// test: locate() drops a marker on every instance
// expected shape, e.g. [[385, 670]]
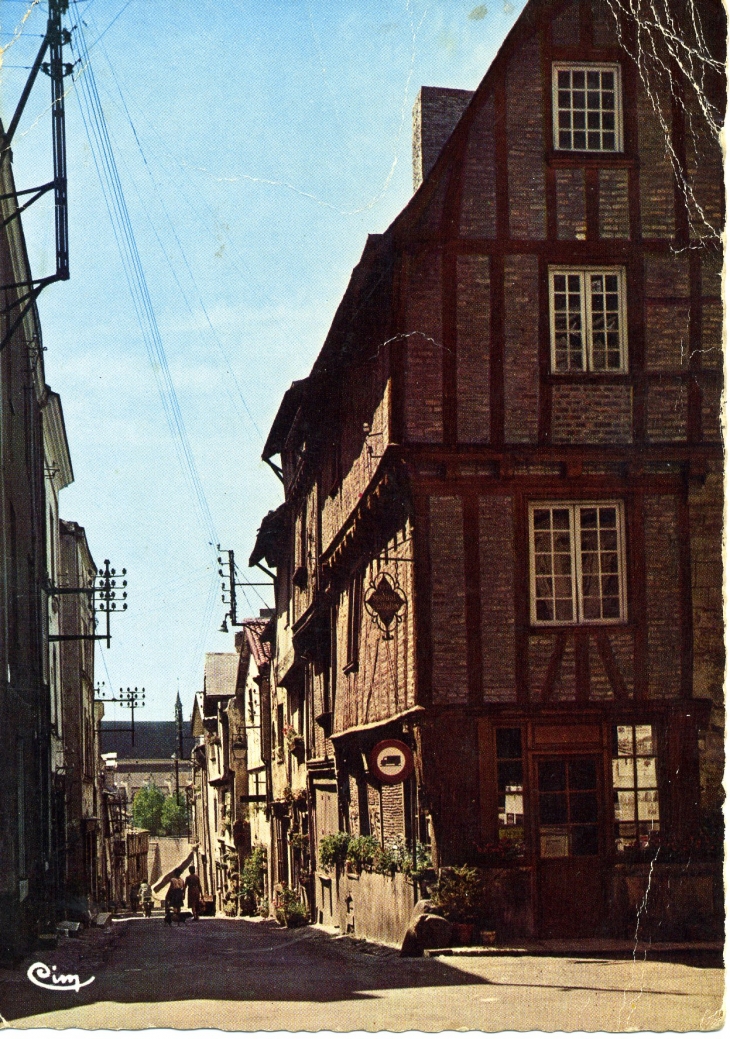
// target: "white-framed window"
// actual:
[[577, 563], [588, 319], [587, 108]]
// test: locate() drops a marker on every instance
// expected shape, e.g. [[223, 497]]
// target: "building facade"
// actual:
[[81, 749], [501, 537], [27, 876]]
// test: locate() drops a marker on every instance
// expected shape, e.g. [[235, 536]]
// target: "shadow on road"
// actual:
[[144, 961]]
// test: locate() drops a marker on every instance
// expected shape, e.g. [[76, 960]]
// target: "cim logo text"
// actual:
[[39, 974]]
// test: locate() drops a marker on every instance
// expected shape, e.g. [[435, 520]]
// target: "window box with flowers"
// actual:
[[294, 741], [298, 841]]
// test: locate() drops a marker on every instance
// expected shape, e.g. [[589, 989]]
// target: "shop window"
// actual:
[[587, 108], [588, 319], [510, 785], [577, 563], [635, 788]]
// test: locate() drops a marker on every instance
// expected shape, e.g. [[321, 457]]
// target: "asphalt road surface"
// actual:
[[251, 976]]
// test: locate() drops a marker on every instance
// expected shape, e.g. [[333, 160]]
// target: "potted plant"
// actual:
[[294, 741], [289, 910], [298, 841], [460, 897]]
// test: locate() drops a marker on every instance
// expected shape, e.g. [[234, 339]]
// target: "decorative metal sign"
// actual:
[[385, 602], [391, 761]]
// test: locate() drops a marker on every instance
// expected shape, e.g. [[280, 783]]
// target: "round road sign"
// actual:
[[391, 761]]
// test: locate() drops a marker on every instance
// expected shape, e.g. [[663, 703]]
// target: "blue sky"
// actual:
[[257, 145]]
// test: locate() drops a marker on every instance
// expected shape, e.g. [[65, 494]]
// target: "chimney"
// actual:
[[435, 114]]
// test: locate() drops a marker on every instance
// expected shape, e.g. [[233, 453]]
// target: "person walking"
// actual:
[[145, 898], [176, 894], [195, 892]]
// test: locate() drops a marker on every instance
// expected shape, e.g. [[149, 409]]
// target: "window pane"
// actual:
[[625, 739], [624, 805], [646, 773], [509, 743], [583, 808], [585, 840], [582, 774], [551, 775], [553, 808], [509, 773], [645, 740], [648, 805]]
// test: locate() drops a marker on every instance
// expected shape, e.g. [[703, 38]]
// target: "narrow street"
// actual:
[[244, 975]]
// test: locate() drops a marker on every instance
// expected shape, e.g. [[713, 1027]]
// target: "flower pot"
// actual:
[[488, 937], [464, 934]]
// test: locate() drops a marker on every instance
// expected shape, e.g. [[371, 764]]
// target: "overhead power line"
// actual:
[[104, 160]]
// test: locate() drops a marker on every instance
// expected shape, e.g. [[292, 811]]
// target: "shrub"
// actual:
[[461, 895], [362, 850], [333, 850], [252, 880], [397, 857], [288, 909]]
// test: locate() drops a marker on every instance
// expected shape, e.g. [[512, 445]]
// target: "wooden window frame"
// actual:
[[578, 617], [354, 621], [576, 66], [635, 787], [587, 331]]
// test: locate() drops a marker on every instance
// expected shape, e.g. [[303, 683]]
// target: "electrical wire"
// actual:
[[105, 163], [94, 121]]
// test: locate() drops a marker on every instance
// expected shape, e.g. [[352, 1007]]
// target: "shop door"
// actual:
[[568, 824]]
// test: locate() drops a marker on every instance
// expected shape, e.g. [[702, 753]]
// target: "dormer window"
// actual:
[[587, 108]]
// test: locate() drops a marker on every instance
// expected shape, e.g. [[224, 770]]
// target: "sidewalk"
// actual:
[[614, 948]]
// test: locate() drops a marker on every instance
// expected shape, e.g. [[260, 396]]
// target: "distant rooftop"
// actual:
[[152, 740], [220, 674]]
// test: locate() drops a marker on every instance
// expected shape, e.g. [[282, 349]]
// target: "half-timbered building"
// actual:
[[501, 540]]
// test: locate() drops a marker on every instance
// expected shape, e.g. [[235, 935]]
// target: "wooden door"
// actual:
[[568, 826]]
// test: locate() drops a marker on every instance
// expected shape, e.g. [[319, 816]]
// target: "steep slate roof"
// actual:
[[152, 740]]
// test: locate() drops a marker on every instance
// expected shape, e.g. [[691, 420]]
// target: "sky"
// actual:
[[257, 145]]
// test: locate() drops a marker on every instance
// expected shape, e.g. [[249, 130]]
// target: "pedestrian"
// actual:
[[176, 894], [145, 898], [195, 892]]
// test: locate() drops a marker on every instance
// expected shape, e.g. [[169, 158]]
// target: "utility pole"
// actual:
[[132, 699], [230, 586], [177, 757]]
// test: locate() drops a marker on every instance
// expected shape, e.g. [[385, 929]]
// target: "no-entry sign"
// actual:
[[391, 761]]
